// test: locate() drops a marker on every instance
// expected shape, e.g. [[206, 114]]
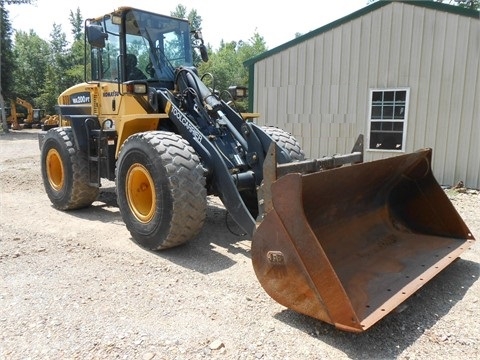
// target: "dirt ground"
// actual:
[[74, 286]]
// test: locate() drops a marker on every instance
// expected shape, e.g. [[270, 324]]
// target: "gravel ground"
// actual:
[[74, 286]]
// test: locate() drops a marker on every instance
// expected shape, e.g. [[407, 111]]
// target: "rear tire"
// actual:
[[65, 171], [286, 141], [161, 192]]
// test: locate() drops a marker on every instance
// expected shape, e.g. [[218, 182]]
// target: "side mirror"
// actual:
[[203, 52], [95, 36], [198, 43]]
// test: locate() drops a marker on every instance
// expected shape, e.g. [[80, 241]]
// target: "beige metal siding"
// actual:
[[319, 88]]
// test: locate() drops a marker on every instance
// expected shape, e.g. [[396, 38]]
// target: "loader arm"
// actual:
[[216, 168], [232, 150]]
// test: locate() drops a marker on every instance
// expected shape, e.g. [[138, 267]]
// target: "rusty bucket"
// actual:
[[349, 245]]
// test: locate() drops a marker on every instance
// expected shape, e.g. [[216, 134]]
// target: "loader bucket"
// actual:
[[349, 245]]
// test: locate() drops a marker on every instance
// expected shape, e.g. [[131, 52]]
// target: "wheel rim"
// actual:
[[55, 171], [140, 191]]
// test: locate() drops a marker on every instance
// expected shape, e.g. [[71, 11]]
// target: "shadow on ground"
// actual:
[[200, 254], [398, 330], [390, 336], [209, 252]]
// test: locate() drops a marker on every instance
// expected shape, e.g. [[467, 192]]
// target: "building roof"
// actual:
[[458, 10]]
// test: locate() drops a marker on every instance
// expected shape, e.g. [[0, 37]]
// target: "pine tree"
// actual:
[[7, 63]]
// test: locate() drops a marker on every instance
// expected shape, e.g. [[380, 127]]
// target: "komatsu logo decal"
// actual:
[[111, 93], [80, 98], [197, 135]]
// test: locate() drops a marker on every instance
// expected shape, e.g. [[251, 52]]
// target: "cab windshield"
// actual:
[[141, 45]]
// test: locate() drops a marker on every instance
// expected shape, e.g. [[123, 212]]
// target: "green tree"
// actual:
[[469, 4], [192, 16], [45, 69], [47, 97], [179, 12], [75, 59], [7, 64], [226, 65], [50, 61], [58, 40], [76, 20], [223, 66], [59, 58], [6, 53], [66, 63], [31, 54], [195, 21]]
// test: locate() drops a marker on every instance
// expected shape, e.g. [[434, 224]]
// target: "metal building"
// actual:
[[404, 73]]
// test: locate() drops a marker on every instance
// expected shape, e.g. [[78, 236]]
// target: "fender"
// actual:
[[80, 118]]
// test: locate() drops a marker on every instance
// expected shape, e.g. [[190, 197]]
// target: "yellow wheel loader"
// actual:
[[335, 238]]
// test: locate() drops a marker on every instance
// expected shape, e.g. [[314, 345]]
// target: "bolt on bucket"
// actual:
[[350, 244]]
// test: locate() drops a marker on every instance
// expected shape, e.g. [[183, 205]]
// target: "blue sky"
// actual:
[[228, 20]]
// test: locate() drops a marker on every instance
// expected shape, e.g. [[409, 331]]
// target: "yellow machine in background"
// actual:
[[13, 116], [28, 120], [19, 120]]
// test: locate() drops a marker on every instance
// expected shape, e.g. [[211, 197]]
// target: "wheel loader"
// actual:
[[336, 238]]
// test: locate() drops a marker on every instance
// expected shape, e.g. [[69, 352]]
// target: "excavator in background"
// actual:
[[13, 116], [35, 117], [32, 118], [335, 238], [28, 119], [17, 118]]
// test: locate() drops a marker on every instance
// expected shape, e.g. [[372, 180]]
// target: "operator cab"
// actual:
[[132, 44]]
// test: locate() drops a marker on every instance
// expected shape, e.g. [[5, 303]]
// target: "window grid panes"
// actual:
[[387, 119]]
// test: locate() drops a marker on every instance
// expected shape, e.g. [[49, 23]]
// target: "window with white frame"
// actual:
[[388, 119]]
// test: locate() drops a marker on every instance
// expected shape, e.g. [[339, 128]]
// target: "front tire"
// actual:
[[65, 171], [161, 192]]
